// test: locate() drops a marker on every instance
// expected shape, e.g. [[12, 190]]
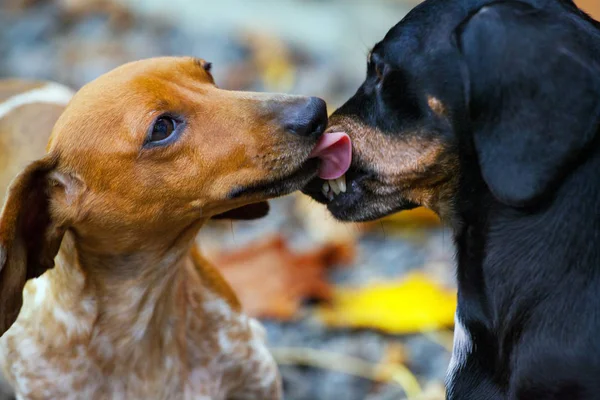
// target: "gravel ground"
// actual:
[[380, 256], [322, 44]]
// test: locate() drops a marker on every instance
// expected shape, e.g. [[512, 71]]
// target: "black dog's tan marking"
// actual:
[[436, 106], [418, 168], [489, 113]]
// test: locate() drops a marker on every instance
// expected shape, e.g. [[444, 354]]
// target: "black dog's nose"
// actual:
[[307, 118]]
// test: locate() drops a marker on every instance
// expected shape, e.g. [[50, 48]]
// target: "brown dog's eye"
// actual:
[[163, 131]]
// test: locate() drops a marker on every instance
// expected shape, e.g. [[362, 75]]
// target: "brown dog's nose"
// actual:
[[307, 118]]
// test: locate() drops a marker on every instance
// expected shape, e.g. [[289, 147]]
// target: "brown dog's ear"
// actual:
[[29, 238], [247, 212], [533, 96]]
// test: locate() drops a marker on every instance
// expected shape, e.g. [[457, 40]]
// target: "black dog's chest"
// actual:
[[528, 303]]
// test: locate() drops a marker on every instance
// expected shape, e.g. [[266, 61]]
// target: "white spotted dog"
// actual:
[[103, 292]]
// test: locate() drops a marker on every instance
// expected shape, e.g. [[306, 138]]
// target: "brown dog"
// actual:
[[138, 162]]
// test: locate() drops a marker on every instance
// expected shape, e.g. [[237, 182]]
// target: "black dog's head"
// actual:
[[512, 86]]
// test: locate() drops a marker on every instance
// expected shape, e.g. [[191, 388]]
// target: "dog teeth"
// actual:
[[333, 187], [333, 184], [341, 181], [325, 190]]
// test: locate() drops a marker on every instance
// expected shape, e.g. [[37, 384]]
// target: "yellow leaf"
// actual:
[[413, 305], [417, 216]]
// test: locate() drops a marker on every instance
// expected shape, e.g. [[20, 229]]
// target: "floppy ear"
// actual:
[[29, 238], [247, 212], [533, 96]]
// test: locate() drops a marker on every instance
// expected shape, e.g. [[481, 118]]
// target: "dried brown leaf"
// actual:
[[272, 281]]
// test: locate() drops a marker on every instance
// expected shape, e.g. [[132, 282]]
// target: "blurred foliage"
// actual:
[[413, 305]]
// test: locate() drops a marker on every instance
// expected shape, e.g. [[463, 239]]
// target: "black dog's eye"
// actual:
[[379, 71], [377, 67]]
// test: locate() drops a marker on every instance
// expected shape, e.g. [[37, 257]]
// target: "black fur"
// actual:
[[521, 82]]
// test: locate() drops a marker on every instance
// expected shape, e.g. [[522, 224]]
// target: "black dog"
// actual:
[[489, 113]]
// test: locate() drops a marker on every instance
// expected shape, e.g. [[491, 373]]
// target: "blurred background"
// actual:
[[352, 311]]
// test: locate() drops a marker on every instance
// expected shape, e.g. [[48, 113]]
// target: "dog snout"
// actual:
[[306, 118]]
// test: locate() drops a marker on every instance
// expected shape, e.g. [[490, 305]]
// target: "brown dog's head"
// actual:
[[144, 155], [507, 94]]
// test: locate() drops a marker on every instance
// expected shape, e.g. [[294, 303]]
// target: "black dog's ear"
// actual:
[[533, 96], [247, 212]]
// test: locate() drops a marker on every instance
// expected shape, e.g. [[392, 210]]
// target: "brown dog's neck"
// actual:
[[121, 305]]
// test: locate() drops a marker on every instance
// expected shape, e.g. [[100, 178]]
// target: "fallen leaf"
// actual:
[[418, 217], [272, 281], [413, 305]]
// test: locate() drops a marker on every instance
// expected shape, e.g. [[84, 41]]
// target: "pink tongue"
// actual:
[[335, 152]]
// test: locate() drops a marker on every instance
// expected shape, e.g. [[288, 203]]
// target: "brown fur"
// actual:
[[436, 106], [592, 7]]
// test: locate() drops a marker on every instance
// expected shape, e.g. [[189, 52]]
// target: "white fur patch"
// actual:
[[105, 346], [41, 290], [258, 329], [203, 384], [463, 346], [141, 325], [230, 359], [216, 305], [73, 325], [52, 93], [88, 305]]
